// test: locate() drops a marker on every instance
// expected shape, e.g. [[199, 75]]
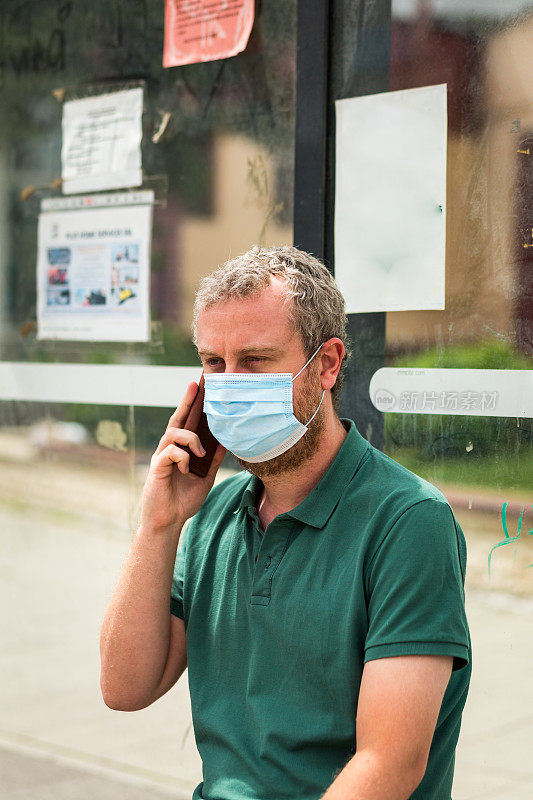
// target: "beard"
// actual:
[[305, 405]]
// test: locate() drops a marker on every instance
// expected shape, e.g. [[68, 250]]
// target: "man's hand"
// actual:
[[397, 711], [171, 493]]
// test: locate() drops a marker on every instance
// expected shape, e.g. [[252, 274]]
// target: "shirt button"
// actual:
[[268, 562]]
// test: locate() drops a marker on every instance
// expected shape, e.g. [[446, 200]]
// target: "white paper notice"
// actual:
[[102, 142], [93, 267], [390, 219]]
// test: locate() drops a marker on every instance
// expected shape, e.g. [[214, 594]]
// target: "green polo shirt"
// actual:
[[279, 624]]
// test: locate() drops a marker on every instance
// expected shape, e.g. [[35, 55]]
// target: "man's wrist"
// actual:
[[149, 529]]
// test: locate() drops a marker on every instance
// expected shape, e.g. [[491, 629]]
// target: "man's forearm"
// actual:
[[369, 777], [134, 641]]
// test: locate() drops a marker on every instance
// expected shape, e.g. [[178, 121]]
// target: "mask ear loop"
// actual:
[[323, 393], [305, 365], [317, 410]]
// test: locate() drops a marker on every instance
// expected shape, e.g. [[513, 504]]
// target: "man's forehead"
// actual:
[[270, 335], [259, 320], [261, 348]]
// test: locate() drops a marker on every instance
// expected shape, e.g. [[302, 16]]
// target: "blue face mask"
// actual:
[[252, 415]]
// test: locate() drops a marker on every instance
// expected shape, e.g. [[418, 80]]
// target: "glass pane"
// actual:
[[218, 142], [482, 463]]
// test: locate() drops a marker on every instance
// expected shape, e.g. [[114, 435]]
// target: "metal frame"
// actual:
[[343, 50], [310, 136]]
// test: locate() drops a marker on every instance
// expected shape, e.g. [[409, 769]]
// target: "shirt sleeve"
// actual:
[[178, 578], [415, 587]]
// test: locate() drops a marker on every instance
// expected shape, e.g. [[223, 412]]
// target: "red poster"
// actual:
[[205, 30]]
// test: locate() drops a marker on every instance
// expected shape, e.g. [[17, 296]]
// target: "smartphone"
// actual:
[[197, 422]]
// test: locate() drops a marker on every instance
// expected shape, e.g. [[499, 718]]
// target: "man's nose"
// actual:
[[234, 366]]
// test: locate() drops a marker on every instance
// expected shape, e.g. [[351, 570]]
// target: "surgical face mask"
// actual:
[[252, 415]]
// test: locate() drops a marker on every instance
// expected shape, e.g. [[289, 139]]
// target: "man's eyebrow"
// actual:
[[260, 349], [246, 350]]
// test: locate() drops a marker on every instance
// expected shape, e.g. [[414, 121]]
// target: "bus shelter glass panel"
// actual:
[[218, 154], [452, 434]]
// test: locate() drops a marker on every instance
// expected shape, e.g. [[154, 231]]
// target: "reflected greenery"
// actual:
[[469, 449], [501, 471]]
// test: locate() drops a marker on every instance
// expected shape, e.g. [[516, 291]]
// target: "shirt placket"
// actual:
[[273, 546]]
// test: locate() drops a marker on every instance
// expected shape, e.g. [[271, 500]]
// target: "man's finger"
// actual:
[[171, 454], [181, 437], [179, 417]]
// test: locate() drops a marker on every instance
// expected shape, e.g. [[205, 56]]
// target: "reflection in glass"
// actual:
[[484, 465]]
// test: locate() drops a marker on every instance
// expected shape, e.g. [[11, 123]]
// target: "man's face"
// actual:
[[255, 335]]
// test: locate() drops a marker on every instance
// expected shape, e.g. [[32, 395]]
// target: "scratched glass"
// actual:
[[454, 433], [218, 149]]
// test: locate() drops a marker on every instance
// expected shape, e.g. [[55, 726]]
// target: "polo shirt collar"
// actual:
[[318, 506], [251, 492]]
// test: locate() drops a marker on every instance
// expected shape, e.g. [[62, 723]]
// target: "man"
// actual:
[[318, 602]]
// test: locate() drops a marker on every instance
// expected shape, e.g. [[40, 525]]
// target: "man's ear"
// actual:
[[330, 362]]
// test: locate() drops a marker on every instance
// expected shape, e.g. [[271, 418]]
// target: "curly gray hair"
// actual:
[[317, 310]]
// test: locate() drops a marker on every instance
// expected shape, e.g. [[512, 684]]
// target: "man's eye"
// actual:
[[212, 361]]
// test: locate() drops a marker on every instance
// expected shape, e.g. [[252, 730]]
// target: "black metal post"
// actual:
[[343, 50], [359, 64], [310, 135]]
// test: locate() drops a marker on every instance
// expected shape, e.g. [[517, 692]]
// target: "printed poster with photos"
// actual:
[[93, 267]]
